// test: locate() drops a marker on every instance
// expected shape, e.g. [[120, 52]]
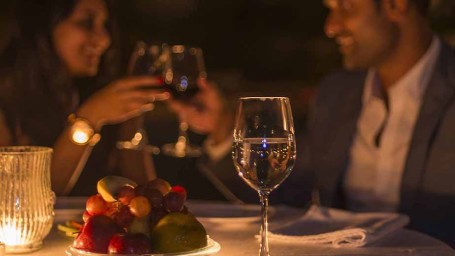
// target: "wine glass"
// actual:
[[146, 59], [183, 68], [264, 148]]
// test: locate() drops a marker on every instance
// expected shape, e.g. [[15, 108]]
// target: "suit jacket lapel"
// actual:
[[437, 97]]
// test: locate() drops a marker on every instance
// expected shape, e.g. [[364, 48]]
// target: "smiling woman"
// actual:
[[82, 38], [56, 50]]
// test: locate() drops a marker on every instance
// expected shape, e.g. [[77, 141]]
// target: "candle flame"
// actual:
[[10, 235]]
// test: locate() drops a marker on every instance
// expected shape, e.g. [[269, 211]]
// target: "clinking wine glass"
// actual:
[[184, 67], [146, 59], [264, 148]]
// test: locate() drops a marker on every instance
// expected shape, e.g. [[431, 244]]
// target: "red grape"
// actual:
[[163, 186], [153, 195], [180, 190], [140, 206], [173, 202], [125, 194], [123, 217], [86, 216], [96, 205]]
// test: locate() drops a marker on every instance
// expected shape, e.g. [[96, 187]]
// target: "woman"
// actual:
[[57, 63]]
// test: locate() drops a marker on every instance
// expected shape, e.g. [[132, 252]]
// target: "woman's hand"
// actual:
[[123, 99]]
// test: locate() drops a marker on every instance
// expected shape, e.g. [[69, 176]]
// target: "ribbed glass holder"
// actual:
[[26, 198]]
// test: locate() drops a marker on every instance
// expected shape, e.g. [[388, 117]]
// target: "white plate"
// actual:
[[212, 248], [223, 212]]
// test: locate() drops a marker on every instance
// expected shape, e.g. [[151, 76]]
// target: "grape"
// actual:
[[123, 217], [96, 205], [86, 216], [140, 206], [125, 194], [112, 208], [163, 186], [173, 201], [180, 190], [153, 195]]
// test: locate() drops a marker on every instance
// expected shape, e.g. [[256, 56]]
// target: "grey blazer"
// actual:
[[428, 184]]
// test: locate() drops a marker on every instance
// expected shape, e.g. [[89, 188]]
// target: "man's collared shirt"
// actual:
[[384, 132]]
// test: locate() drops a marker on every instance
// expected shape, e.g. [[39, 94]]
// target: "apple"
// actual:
[[96, 234], [129, 244]]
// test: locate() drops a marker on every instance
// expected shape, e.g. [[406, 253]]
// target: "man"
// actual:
[[381, 136]]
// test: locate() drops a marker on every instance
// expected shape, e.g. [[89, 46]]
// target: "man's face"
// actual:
[[365, 35]]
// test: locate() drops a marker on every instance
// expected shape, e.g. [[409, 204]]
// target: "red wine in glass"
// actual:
[[183, 68]]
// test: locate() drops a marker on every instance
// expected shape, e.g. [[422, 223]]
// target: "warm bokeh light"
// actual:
[[80, 137]]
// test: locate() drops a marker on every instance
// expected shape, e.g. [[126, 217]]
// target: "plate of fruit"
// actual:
[[148, 219]]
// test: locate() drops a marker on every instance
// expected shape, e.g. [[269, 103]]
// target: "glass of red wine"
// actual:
[[184, 67], [146, 59], [264, 148]]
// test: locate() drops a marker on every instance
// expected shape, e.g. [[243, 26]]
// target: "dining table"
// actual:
[[235, 227]]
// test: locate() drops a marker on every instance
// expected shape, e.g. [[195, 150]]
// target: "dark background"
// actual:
[[251, 48]]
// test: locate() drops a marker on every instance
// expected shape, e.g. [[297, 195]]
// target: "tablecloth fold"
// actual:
[[338, 228]]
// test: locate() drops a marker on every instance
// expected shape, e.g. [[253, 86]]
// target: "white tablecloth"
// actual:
[[236, 235]]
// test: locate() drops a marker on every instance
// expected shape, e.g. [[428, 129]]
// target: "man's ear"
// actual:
[[396, 9]]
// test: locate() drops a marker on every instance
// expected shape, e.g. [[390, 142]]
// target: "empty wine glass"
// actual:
[[264, 148], [146, 59], [183, 68]]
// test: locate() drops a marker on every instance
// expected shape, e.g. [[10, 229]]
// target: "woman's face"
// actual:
[[81, 39]]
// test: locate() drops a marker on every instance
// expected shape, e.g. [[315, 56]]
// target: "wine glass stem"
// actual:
[[264, 197]]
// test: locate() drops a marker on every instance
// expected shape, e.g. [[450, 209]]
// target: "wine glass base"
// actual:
[[127, 145], [187, 151]]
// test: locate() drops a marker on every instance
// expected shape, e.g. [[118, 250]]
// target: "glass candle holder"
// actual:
[[26, 198]]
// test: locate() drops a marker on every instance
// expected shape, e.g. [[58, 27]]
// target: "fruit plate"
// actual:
[[212, 248]]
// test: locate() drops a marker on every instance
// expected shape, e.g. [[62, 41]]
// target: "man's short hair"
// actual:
[[422, 5]]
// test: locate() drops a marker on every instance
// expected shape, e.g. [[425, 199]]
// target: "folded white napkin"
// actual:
[[338, 228]]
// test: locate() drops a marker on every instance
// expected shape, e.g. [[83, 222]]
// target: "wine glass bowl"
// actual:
[[264, 148], [182, 70], [147, 59]]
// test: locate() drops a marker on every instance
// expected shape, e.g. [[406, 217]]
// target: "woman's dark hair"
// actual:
[[36, 90]]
